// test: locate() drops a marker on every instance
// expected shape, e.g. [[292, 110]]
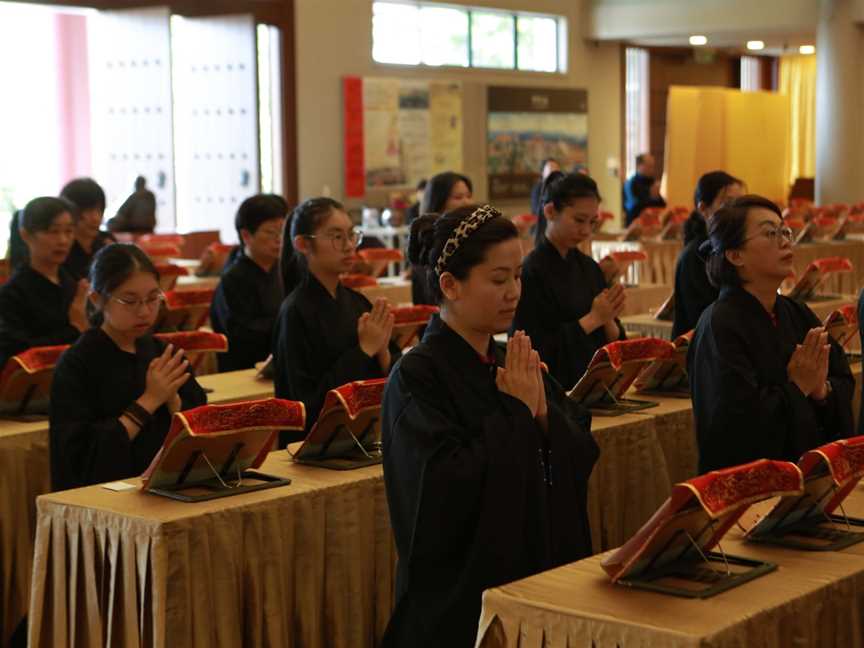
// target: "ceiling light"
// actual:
[[755, 45], [807, 49], [698, 40]]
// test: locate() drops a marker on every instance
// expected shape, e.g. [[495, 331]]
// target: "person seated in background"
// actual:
[[89, 198], [547, 166], [766, 379], [414, 210], [115, 389], [693, 291], [41, 304], [326, 335], [566, 308], [642, 189], [249, 294], [486, 461], [138, 214], [444, 192]]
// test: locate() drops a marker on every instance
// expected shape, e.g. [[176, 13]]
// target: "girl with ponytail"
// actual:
[[325, 335], [115, 389], [566, 306], [472, 438]]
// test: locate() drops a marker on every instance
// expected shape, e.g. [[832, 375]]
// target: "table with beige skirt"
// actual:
[[25, 474], [310, 564]]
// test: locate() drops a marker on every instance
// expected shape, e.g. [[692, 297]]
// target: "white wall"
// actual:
[[334, 39], [638, 19]]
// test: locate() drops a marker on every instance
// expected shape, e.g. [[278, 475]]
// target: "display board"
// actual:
[[528, 125], [398, 131]]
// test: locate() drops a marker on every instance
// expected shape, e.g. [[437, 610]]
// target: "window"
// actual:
[[751, 74], [425, 33], [637, 136]]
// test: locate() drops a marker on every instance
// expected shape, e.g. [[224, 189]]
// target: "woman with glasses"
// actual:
[[249, 294], [326, 335], [566, 308], [115, 389], [42, 304], [766, 380], [693, 291]]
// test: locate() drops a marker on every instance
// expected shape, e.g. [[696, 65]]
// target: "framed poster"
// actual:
[[528, 125], [399, 131]]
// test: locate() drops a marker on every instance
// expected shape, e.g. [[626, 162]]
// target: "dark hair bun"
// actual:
[[421, 239]]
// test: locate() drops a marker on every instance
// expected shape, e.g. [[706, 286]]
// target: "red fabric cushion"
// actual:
[[196, 340], [356, 396], [831, 264], [357, 281]]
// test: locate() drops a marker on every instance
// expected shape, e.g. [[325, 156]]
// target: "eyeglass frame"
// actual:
[[773, 234], [358, 239], [135, 306]]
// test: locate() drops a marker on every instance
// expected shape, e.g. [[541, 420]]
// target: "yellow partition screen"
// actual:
[[743, 133]]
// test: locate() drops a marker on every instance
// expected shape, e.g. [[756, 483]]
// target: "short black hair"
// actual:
[[711, 184], [641, 158], [84, 193], [258, 209], [728, 231], [561, 189], [422, 185], [430, 233]]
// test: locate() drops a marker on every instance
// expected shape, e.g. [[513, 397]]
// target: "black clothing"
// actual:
[[78, 261], [693, 292], [478, 494], [744, 404], [637, 196], [315, 346], [244, 309], [695, 228], [556, 293], [34, 311], [94, 382]]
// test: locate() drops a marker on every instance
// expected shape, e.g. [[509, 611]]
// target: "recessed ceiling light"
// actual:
[[807, 49], [755, 45], [698, 40]]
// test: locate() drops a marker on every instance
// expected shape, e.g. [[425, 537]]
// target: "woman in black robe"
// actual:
[[249, 294], [89, 198], [326, 335], [566, 308], [766, 381], [41, 304], [693, 291], [115, 390], [444, 192], [486, 462]]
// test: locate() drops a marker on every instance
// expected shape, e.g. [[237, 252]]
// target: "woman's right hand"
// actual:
[[165, 376], [520, 377], [607, 305], [375, 327], [808, 366]]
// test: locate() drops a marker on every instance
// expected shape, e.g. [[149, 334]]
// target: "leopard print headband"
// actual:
[[466, 228]]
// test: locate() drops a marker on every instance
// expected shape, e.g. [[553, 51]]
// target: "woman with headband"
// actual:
[[766, 380], [486, 462]]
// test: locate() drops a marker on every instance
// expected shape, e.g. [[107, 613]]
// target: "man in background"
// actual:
[[642, 189]]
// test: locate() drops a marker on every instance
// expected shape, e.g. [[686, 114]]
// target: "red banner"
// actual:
[[355, 172]]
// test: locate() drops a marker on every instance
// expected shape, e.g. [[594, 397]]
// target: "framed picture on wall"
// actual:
[[528, 125]]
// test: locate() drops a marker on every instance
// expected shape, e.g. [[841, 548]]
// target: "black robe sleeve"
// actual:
[[740, 420], [298, 373], [89, 448], [563, 345], [84, 448], [693, 292], [16, 331], [464, 503], [861, 333]]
